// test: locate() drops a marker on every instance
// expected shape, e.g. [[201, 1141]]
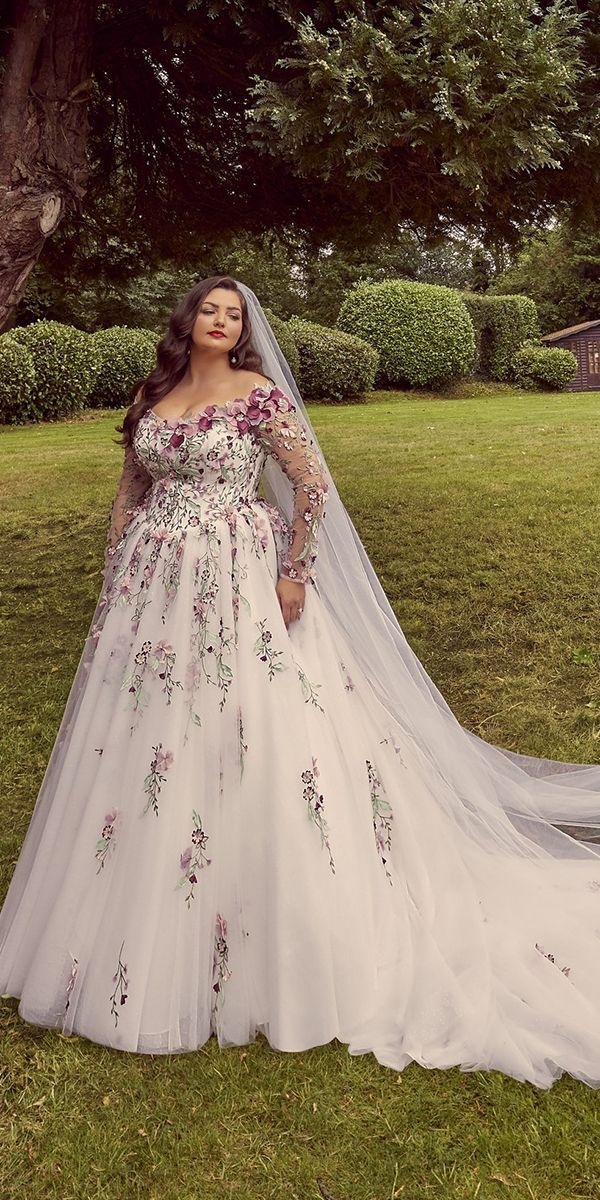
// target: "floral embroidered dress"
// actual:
[[234, 836]]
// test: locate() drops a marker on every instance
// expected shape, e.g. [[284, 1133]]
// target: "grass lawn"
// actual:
[[481, 517]]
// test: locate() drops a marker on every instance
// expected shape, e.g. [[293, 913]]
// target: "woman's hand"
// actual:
[[291, 598]]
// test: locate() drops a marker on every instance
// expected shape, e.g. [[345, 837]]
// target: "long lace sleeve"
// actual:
[[132, 487], [285, 438]]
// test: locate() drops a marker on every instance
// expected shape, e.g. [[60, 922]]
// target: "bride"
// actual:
[[259, 814]]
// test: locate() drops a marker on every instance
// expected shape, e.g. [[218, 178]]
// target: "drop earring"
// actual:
[[233, 356]]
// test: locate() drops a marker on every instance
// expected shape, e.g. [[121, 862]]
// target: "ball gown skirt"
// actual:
[[234, 836]]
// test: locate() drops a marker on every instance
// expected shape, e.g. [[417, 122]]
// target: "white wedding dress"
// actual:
[[234, 835]]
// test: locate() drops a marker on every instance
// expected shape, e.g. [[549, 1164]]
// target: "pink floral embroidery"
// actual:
[[221, 971], [121, 984], [265, 651], [315, 804], [382, 818], [162, 760], [105, 844], [193, 858], [309, 690]]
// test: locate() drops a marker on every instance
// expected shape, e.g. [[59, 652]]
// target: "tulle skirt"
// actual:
[[233, 835]]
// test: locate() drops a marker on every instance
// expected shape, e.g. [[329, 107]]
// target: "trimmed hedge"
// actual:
[[125, 357], [66, 363], [286, 342], [542, 367], [422, 331], [334, 365], [17, 382], [502, 324]]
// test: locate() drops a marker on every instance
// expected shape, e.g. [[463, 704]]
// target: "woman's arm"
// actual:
[[132, 487], [285, 438]]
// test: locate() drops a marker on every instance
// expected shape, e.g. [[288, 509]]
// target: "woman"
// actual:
[[259, 814]]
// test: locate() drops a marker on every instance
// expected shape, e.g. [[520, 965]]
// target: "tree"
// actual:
[[480, 270], [469, 112], [94, 282], [475, 111], [560, 269], [43, 132], [143, 100]]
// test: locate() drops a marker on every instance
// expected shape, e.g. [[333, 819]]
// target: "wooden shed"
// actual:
[[584, 342]]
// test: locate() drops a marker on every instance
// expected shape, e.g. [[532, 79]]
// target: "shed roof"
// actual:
[[561, 333]]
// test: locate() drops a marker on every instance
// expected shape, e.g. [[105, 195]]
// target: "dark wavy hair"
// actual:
[[172, 352]]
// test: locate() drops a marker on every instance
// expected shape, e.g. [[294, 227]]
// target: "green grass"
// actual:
[[480, 514]]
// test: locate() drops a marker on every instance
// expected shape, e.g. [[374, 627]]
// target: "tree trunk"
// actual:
[[43, 132]]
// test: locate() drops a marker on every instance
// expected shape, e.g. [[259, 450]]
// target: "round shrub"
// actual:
[[65, 362], [125, 357], [17, 382], [422, 331], [286, 342], [333, 365], [542, 367], [502, 324]]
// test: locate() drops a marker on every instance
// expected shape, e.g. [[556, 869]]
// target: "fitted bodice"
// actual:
[[202, 451], [185, 471]]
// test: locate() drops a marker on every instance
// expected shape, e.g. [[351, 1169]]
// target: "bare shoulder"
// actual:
[[255, 377]]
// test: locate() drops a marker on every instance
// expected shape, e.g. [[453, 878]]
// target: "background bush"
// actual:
[[65, 362], [125, 357], [480, 312], [543, 367], [17, 382], [502, 324], [286, 342], [422, 332], [333, 365]]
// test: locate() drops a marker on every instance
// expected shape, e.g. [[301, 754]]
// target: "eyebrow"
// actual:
[[230, 307]]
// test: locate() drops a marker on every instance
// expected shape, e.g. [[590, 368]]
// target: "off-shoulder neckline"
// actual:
[[209, 409]]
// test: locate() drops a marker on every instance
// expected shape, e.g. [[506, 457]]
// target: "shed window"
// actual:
[[594, 358]]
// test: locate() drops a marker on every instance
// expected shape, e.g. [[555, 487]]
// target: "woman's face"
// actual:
[[219, 313]]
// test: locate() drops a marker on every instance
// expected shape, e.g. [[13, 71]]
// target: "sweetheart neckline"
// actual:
[[209, 408]]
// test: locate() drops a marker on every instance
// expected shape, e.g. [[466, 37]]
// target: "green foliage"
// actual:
[[501, 324], [17, 381], [481, 270], [286, 341], [543, 367], [66, 363], [457, 107], [333, 365], [479, 312], [74, 284], [422, 331], [125, 357], [83, 283], [268, 263], [559, 269]]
